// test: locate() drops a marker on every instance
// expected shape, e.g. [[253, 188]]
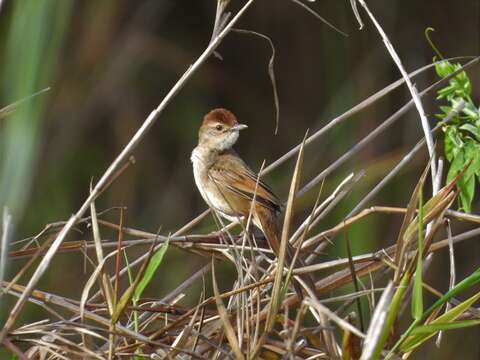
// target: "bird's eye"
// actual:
[[219, 127]]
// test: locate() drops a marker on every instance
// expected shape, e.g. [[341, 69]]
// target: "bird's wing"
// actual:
[[231, 174]]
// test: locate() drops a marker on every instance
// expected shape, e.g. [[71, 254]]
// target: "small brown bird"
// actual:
[[228, 185]]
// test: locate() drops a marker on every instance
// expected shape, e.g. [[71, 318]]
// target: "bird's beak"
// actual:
[[238, 127]]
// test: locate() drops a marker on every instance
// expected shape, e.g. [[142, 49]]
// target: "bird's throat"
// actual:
[[204, 156]]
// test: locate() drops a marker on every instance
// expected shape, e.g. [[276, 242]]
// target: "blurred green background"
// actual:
[[109, 63]]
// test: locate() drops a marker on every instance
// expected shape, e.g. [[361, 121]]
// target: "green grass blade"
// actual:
[[434, 328], [392, 315], [129, 270], [152, 267], [128, 295], [130, 282], [417, 295], [421, 334], [138, 352], [461, 287]]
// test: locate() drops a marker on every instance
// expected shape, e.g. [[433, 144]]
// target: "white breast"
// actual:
[[200, 172], [201, 161]]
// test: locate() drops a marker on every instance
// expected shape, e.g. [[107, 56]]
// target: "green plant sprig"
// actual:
[[462, 133]]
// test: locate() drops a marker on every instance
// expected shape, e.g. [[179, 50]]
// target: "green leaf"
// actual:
[[127, 296], [459, 86], [446, 92], [150, 271], [472, 157], [456, 166], [445, 108], [449, 317], [453, 143], [434, 328], [467, 192], [417, 295], [461, 287], [470, 110], [472, 129], [468, 154], [444, 68]]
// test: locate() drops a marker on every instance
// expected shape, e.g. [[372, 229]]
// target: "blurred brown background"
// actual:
[[109, 63]]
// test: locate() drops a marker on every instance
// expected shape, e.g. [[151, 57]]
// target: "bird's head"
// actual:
[[219, 130]]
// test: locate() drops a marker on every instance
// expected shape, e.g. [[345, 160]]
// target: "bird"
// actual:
[[229, 186]]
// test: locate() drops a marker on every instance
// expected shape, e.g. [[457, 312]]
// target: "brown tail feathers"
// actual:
[[270, 228]]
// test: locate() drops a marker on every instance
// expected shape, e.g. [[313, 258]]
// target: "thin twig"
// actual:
[[7, 110], [413, 92], [271, 72], [318, 16]]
